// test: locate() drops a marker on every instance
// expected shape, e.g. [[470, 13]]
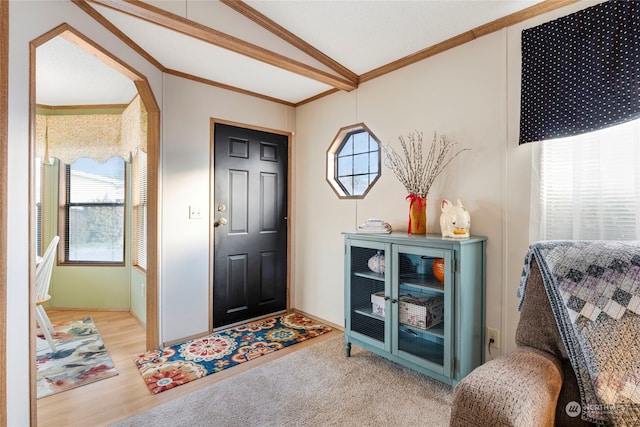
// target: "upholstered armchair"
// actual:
[[534, 385]]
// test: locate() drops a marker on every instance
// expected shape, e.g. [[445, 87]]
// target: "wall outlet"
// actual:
[[493, 334], [195, 212]]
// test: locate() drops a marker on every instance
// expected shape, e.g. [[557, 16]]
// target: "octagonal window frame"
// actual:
[[337, 172]]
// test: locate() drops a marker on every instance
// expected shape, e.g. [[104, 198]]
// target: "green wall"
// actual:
[[106, 288]]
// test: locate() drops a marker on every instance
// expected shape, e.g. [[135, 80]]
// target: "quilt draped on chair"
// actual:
[[594, 291]]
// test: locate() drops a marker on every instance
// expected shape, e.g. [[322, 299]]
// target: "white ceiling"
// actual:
[[359, 35], [68, 75]]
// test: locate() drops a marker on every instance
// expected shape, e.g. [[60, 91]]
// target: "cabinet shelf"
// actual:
[[367, 312], [370, 275], [435, 331], [420, 281]]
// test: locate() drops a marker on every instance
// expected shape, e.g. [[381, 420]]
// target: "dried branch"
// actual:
[[414, 172]]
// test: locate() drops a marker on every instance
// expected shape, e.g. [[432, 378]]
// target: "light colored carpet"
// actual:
[[315, 386]]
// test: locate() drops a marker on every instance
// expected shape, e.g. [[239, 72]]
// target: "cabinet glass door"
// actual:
[[368, 295], [423, 297]]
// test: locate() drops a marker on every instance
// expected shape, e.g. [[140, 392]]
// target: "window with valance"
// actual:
[[581, 99], [87, 147]]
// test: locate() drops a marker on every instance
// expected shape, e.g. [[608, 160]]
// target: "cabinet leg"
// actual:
[[347, 349]]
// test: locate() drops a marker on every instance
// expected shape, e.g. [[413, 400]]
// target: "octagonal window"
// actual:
[[353, 161]]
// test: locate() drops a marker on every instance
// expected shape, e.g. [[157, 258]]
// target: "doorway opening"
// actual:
[[151, 129]]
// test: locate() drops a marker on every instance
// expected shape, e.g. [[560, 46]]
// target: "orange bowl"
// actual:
[[438, 269]]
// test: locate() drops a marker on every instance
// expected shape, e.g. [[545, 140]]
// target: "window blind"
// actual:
[[590, 186], [140, 209], [94, 222], [38, 171]]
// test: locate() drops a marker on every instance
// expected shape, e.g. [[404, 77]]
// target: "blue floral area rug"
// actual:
[[182, 363], [81, 358]]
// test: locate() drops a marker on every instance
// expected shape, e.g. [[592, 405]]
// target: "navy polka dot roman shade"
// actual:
[[581, 73]]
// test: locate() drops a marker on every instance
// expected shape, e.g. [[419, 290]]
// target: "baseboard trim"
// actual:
[[140, 321], [319, 319], [185, 339]]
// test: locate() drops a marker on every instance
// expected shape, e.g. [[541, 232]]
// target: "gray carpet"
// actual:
[[315, 386]]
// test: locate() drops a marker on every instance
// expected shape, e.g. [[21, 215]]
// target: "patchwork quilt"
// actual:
[[594, 291]]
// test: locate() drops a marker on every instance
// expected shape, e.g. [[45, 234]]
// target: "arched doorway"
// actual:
[[153, 141]]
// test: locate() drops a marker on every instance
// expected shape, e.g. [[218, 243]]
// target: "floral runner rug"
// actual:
[[182, 363], [81, 358]]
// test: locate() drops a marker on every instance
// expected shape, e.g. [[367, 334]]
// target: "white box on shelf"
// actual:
[[423, 313], [377, 304]]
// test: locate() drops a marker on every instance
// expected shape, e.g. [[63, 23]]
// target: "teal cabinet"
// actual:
[[416, 300]]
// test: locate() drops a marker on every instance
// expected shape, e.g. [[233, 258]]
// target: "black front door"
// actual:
[[250, 217]]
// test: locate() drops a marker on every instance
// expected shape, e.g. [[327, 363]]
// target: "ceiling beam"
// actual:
[[190, 28], [82, 4], [122, 36], [275, 28], [124, 5]]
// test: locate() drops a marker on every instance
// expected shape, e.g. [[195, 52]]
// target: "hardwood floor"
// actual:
[[113, 399]]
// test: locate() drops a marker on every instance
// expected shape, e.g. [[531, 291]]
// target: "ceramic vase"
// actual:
[[417, 215]]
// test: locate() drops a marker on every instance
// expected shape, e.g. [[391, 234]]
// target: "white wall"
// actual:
[[518, 164], [187, 110], [471, 93], [460, 93], [186, 114], [28, 20]]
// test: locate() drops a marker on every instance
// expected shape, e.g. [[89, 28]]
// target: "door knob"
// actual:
[[221, 221]]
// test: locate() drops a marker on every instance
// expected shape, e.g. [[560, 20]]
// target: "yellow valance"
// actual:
[[96, 136]]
